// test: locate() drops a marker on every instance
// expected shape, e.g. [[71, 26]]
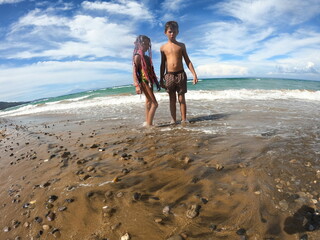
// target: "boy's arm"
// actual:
[[162, 68], [189, 64]]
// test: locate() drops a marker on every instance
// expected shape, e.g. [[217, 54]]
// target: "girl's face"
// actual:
[[145, 45]]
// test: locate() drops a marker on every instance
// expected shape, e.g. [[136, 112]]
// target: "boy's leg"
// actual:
[[183, 107], [173, 100]]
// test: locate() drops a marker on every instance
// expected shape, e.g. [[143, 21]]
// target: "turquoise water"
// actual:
[[229, 90], [204, 84]]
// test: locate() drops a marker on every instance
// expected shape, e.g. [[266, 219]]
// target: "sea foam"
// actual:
[[113, 102]]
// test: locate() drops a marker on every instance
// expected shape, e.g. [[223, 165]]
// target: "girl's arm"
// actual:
[[162, 68], [136, 67]]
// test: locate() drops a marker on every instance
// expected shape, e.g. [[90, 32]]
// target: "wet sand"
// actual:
[[79, 179]]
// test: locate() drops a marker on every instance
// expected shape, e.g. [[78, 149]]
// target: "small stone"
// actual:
[[193, 211], [166, 210], [46, 227], [95, 145], [241, 231], [187, 160], [125, 171], [84, 177], [115, 226], [219, 167], [38, 219], [125, 237], [158, 220], [108, 194], [176, 237], [120, 194], [26, 224], [204, 200], [6, 229], [136, 196], [213, 227], [61, 209], [116, 179], [90, 168], [304, 237], [90, 194], [108, 211], [50, 216], [52, 198], [56, 233], [49, 205], [69, 200], [65, 154], [15, 223]]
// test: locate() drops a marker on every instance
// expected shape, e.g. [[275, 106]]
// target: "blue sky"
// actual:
[[51, 48]]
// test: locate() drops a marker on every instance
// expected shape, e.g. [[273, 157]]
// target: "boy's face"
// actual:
[[171, 33]]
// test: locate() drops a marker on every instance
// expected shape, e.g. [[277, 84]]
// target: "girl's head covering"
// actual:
[[138, 49]]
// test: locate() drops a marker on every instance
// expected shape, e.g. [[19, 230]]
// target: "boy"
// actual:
[[172, 75]]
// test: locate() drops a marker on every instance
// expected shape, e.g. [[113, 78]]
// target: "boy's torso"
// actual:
[[173, 53]]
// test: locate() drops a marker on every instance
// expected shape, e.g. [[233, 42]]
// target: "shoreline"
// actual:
[[82, 179]]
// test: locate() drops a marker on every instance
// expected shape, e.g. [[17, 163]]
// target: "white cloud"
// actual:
[[219, 69], [274, 12], [10, 1], [231, 38], [287, 44], [56, 37], [174, 5], [134, 9]]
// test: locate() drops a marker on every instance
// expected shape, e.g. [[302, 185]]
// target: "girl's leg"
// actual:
[[183, 107], [173, 100], [151, 103]]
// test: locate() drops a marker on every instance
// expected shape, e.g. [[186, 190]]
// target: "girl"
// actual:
[[144, 76]]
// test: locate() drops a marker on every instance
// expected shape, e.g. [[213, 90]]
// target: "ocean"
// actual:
[[288, 98]]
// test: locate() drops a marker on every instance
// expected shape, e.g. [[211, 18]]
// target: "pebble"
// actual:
[[120, 194], [6, 229], [219, 167], [166, 210], [108, 211], [158, 220], [193, 211], [115, 226], [241, 231], [26, 224], [46, 227], [56, 233], [125, 237], [90, 168], [108, 194], [61, 209], [50, 216], [304, 237], [136, 196], [52, 198], [38, 219]]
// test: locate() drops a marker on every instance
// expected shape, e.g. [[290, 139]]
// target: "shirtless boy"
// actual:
[[172, 75]]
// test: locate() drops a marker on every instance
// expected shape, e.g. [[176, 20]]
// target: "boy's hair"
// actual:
[[171, 24]]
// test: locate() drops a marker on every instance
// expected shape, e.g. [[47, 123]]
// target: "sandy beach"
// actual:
[[67, 178]]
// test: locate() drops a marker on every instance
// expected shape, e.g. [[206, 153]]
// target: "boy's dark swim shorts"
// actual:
[[176, 82]]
